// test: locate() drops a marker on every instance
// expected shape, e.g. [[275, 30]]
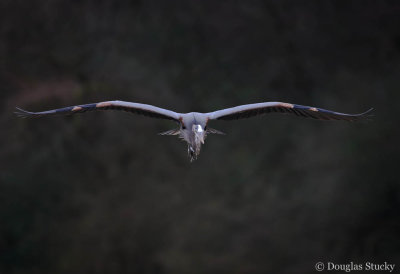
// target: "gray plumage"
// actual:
[[193, 126]]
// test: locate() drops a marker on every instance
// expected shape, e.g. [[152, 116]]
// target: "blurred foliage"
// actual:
[[102, 193]]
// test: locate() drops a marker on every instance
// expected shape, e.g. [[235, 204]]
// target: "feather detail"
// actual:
[[214, 131], [175, 131]]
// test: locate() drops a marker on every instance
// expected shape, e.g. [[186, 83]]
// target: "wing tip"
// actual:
[[367, 113], [364, 116], [21, 113]]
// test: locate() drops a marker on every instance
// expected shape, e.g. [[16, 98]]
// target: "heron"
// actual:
[[193, 126]]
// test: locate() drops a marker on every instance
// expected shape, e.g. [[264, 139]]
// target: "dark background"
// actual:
[[103, 193]]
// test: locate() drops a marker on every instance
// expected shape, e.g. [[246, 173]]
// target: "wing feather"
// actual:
[[251, 110], [136, 108]]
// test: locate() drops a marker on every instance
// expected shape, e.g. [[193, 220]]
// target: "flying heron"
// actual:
[[193, 126]]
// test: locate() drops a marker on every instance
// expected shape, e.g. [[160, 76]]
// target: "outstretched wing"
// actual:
[[247, 111], [141, 109]]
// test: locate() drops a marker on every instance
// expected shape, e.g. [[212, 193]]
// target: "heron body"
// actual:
[[193, 129], [193, 126]]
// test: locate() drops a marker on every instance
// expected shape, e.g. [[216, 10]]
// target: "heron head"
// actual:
[[199, 133]]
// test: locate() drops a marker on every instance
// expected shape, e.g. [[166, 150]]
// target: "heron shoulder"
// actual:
[[195, 118]]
